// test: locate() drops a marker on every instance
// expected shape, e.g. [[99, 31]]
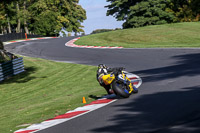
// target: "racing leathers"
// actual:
[[104, 70]]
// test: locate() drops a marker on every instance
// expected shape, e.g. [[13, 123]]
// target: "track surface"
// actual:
[[168, 100]]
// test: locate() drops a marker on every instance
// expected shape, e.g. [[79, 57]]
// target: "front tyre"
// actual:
[[120, 89], [135, 90]]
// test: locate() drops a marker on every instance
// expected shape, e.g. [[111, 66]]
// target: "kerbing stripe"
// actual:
[[67, 116], [26, 131], [29, 40], [71, 44], [136, 80], [100, 101]]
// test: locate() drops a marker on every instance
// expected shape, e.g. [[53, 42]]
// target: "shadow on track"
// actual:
[[112, 96], [162, 112], [186, 65], [168, 112]]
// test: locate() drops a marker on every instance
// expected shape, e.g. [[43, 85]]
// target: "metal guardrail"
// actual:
[[11, 68], [15, 36]]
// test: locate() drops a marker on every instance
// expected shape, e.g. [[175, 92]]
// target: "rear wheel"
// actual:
[[120, 89]]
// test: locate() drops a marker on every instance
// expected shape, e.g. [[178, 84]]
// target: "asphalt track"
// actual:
[[167, 102]]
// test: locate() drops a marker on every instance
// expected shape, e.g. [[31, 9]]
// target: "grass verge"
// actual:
[[45, 90], [165, 36]]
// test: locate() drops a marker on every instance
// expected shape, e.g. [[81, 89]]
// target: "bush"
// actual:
[[1, 45], [101, 30], [5, 56]]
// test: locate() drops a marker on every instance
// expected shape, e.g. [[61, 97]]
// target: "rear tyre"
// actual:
[[120, 89]]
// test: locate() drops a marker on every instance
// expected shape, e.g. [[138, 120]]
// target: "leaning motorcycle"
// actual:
[[120, 83]]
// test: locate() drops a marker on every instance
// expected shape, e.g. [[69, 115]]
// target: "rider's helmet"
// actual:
[[102, 70], [102, 66]]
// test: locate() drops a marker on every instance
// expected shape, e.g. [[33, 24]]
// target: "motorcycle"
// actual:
[[119, 81]]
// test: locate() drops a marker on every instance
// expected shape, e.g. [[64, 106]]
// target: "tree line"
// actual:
[[43, 17], [138, 13]]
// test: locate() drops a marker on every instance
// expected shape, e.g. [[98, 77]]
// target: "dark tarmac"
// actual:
[[167, 102]]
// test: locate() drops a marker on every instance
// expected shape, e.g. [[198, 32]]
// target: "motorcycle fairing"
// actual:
[[108, 79]]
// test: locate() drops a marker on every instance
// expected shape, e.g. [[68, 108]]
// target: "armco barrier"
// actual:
[[11, 68], [16, 36]]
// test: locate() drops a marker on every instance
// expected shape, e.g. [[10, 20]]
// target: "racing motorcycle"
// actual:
[[118, 80]]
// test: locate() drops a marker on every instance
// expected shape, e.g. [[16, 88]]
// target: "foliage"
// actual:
[[64, 34], [69, 34], [185, 11], [83, 34], [4, 55], [137, 13], [151, 12], [44, 17], [101, 30], [140, 12], [1, 45], [45, 23], [104, 30]]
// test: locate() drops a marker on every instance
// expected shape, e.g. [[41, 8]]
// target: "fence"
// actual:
[[15, 36], [11, 68]]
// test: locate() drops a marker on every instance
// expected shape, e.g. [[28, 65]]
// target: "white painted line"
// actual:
[[49, 123], [76, 112], [30, 39]]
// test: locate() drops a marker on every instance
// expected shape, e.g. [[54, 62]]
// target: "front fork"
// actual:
[[132, 88], [129, 84]]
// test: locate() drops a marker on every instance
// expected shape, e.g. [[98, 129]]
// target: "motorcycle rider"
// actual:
[[104, 70]]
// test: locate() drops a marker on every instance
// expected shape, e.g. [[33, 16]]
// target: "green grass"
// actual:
[[168, 35], [48, 88], [45, 90]]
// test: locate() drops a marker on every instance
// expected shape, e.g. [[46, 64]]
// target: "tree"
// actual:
[[75, 15], [15, 14], [7, 14], [195, 4], [2, 18], [18, 18], [66, 14], [45, 23], [185, 11], [45, 17], [137, 13], [63, 33]]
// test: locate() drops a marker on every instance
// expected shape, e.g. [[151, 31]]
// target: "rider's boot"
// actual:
[[108, 89]]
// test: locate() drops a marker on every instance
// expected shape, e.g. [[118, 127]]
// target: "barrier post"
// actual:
[[26, 36]]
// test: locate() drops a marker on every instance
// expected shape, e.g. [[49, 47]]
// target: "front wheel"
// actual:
[[135, 90], [120, 89]]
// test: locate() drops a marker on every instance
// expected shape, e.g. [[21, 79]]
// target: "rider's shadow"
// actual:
[[112, 96], [163, 112]]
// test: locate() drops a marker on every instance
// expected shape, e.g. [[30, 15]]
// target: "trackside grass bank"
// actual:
[[45, 90], [157, 36]]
